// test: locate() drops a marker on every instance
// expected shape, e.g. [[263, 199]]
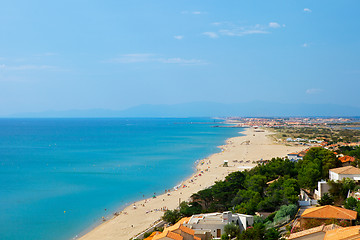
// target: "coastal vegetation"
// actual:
[[272, 187], [263, 188], [329, 134], [260, 232], [315, 166], [266, 187]]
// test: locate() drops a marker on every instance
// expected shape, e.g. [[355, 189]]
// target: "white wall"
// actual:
[[333, 176], [337, 177]]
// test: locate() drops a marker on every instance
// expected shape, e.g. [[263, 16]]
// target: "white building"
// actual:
[[296, 156], [351, 172], [214, 223], [293, 157], [323, 188]]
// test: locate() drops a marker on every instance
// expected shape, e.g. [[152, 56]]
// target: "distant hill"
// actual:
[[208, 109]]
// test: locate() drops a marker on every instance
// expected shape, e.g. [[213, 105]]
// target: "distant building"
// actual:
[[213, 223], [293, 157], [296, 156], [338, 174], [346, 160]]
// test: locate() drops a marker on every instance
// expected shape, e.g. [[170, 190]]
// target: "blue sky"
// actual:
[[117, 54]]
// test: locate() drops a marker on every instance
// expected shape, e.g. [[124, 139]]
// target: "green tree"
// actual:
[[340, 189], [253, 233], [203, 197], [189, 209], [272, 234], [309, 175], [259, 232], [231, 229], [172, 216], [326, 199], [256, 183], [315, 166], [147, 234], [286, 210], [351, 203]]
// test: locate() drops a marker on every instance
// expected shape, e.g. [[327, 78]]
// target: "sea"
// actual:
[[59, 177]]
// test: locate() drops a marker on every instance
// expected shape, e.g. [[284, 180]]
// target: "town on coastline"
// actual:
[[311, 193]]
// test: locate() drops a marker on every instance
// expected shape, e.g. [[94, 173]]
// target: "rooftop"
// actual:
[[212, 218], [170, 231], [346, 170], [310, 231], [345, 159], [348, 233], [168, 234], [329, 212], [152, 235]]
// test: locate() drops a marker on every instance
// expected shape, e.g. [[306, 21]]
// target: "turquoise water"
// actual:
[[358, 128], [57, 176]]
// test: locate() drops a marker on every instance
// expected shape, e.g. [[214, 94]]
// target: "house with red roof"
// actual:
[[348, 233], [328, 212], [346, 160], [177, 232], [313, 233]]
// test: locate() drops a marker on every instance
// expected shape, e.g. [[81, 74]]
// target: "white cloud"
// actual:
[[274, 25], [147, 58], [307, 10], [133, 58], [179, 37], [216, 23], [211, 34], [313, 91], [192, 12], [183, 61], [46, 54], [233, 30], [27, 67], [242, 31], [305, 45]]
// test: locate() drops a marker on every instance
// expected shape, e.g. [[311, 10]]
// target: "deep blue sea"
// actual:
[[57, 176]]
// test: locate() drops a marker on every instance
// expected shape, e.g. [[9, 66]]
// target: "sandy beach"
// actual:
[[241, 153]]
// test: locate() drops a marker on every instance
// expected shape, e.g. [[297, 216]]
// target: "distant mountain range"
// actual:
[[207, 109]]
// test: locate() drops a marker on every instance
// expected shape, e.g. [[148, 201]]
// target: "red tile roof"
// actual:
[[310, 231], [345, 159], [174, 236], [348, 233], [329, 212], [170, 231], [152, 235]]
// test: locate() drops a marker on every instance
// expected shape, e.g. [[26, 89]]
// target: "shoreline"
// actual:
[[139, 216], [120, 209]]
